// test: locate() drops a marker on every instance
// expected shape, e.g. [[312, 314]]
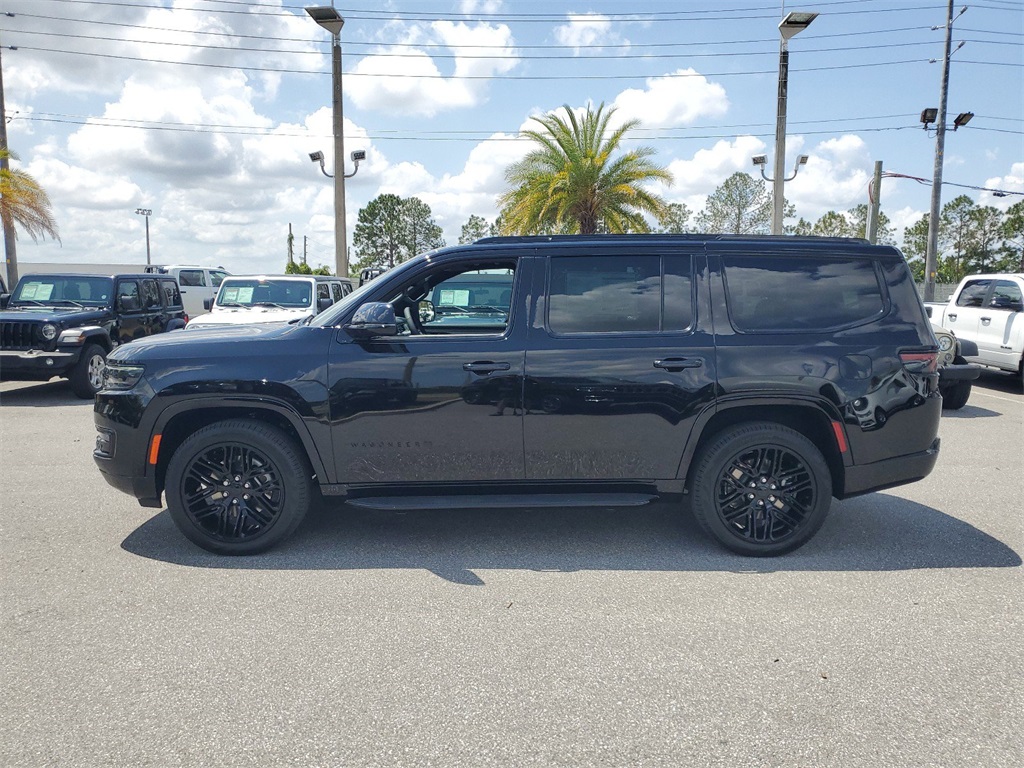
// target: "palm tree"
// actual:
[[571, 184], [25, 203]]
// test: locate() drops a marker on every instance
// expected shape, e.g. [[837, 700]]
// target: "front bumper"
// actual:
[[961, 372], [36, 364]]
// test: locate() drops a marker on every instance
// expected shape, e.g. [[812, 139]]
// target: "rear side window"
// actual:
[[1006, 295], [216, 278], [619, 294], [171, 295], [973, 294], [792, 293], [150, 295]]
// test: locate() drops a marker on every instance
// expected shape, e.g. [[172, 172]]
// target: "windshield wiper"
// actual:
[[70, 301], [34, 302], [268, 304], [231, 304]]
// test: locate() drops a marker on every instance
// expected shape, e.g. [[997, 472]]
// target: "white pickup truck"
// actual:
[[987, 310]]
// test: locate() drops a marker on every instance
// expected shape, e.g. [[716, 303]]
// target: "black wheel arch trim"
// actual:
[[190, 405], [733, 402]]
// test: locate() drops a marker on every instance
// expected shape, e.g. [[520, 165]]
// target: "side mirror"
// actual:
[[5, 299], [322, 304], [128, 303], [207, 304], [376, 318]]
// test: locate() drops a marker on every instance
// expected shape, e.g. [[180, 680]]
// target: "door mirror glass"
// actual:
[[373, 319]]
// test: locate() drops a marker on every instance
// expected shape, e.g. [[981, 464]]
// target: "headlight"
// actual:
[[945, 343], [121, 376], [49, 331]]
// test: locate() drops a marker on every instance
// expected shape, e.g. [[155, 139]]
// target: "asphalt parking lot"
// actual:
[[523, 637]]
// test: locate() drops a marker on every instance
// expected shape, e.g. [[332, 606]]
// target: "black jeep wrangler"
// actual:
[[66, 325], [758, 378]]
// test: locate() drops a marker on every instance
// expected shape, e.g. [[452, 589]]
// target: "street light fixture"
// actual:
[[328, 17], [962, 119], [762, 160], [357, 156], [929, 116], [147, 212], [793, 23]]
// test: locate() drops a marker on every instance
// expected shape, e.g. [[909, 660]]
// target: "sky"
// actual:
[[205, 111]]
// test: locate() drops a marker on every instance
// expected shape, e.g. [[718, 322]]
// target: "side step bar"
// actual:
[[504, 501]]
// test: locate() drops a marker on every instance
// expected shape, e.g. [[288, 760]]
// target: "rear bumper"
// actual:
[[962, 372], [888, 473]]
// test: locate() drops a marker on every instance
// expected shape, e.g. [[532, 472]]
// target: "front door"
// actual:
[[443, 401], [620, 362], [999, 324]]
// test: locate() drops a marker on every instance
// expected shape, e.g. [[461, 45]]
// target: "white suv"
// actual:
[[243, 300]]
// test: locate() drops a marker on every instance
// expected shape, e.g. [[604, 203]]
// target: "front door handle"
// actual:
[[986, 320], [951, 317], [678, 363], [485, 366]]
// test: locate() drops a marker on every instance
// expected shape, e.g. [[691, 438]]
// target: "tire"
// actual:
[[87, 376], [761, 489], [238, 487], [955, 396]]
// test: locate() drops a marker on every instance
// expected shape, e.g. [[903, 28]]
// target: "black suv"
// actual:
[[756, 377], [65, 325]]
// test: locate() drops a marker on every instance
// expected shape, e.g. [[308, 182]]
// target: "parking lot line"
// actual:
[[996, 397]]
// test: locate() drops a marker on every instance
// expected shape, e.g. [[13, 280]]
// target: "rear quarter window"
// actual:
[[796, 293]]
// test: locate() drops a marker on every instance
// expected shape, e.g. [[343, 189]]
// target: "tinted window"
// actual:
[[796, 293], [150, 295], [336, 291], [323, 291], [128, 289], [171, 295], [217, 277], [189, 277], [609, 294], [1006, 295], [973, 293]]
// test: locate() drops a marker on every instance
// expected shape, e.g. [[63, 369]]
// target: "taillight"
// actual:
[[920, 362], [185, 318]]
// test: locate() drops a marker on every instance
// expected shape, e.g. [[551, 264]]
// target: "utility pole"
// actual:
[[10, 251], [305, 247], [875, 203], [291, 240], [931, 254]]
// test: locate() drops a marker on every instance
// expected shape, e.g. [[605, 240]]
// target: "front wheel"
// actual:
[[761, 489], [87, 376], [238, 487]]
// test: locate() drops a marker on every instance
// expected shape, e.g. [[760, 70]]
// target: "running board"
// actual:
[[505, 501]]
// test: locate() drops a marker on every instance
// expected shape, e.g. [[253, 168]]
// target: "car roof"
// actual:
[[317, 278]]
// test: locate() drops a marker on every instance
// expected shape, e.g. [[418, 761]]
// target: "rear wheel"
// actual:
[[955, 396], [238, 487], [761, 489], [87, 376]]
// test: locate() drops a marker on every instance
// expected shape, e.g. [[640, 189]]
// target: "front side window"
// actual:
[[191, 277], [128, 295], [462, 298], [619, 294], [973, 293], [269, 292], [1006, 295], [217, 277], [323, 291], [794, 293]]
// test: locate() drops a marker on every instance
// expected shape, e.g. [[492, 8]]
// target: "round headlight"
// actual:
[[49, 331], [945, 343]]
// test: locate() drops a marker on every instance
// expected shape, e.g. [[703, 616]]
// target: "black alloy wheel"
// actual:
[[761, 489], [238, 487]]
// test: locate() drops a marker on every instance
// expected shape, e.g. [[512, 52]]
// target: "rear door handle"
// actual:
[[485, 366], [678, 363], [986, 320], [951, 317]]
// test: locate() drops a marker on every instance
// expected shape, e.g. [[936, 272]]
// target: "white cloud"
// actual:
[[409, 76], [1011, 182], [834, 179], [593, 31], [698, 177], [673, 100]]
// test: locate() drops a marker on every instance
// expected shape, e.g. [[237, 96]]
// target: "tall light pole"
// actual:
[[328, 17], [793, 23], [931, 252], [147, 212], [10, 249]]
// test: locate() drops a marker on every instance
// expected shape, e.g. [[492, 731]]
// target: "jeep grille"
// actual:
[[20, 336]]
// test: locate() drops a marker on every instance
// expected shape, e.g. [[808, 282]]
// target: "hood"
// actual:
[[248, 316], [71, 317], [203, 341]]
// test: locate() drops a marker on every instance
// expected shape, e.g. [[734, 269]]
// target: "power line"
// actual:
[[928, 183]]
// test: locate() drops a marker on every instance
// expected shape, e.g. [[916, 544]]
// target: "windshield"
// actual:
[[265, 292], [63, 291]]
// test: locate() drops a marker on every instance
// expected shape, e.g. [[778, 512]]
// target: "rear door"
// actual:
[[999, 324], [195, 286], [620, 361], [964, 318]]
